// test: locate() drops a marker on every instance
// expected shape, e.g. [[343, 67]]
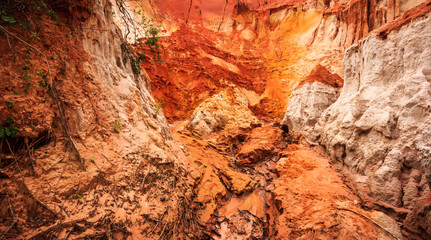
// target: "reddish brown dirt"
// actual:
[[286, 193], [268, 110], [322, 75], [194, 68], [311, 193], [280, 193]]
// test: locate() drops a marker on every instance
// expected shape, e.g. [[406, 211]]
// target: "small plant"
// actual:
[[25, 24], [26, 70], [145, 33], [41, 5], [43, 83], [54, 17], [151, 35], [79, 196], [89, 9], [135, 62], [35, 35], [159, 105], [27, 87], [10, 130], [9, 19], [118, 126], [9, 104]]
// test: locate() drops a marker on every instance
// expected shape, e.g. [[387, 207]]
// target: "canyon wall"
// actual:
[[270, 47], [379, 128], [120, 153]]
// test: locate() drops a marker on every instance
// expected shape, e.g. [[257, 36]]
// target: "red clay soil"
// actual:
[[23, 68], [194, 68], [44, 191], [284, 193], [322, 75], [268, 110]]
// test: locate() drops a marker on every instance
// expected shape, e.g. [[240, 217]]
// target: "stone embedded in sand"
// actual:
[[311, 98], [226, 110]]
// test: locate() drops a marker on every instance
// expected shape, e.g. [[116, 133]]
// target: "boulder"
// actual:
[[311, 98], [226, 110]]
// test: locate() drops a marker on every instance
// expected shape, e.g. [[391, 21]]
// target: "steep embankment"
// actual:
[[378, 127], [94, 157], [269, 47], [383, 119]]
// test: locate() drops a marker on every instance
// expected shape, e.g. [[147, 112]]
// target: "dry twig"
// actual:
[[158, 221], [7, 230]]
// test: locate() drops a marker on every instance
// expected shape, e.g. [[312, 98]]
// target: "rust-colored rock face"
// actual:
[[196, 66], [193, 145], [322, 75], [252, 186], [266, 47], [262, 144]]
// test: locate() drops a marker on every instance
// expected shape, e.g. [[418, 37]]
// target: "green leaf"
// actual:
[[79, 196], [2, 132], [10, 119], [7, 131], [9, 19], [28, 84], [9, 104], [43, 84], [15, 94], [14, 130]]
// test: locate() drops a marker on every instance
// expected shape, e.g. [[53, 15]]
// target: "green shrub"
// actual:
[[10, 130]]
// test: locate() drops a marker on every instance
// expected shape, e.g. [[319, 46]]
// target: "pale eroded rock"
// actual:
[[306, 104], [380, 126], [223, 111], [308, 101]]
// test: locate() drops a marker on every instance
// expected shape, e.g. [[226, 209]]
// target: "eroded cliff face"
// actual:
[[123, 154], [379, 125], [270, 46], [100, 161], [377, 128]]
